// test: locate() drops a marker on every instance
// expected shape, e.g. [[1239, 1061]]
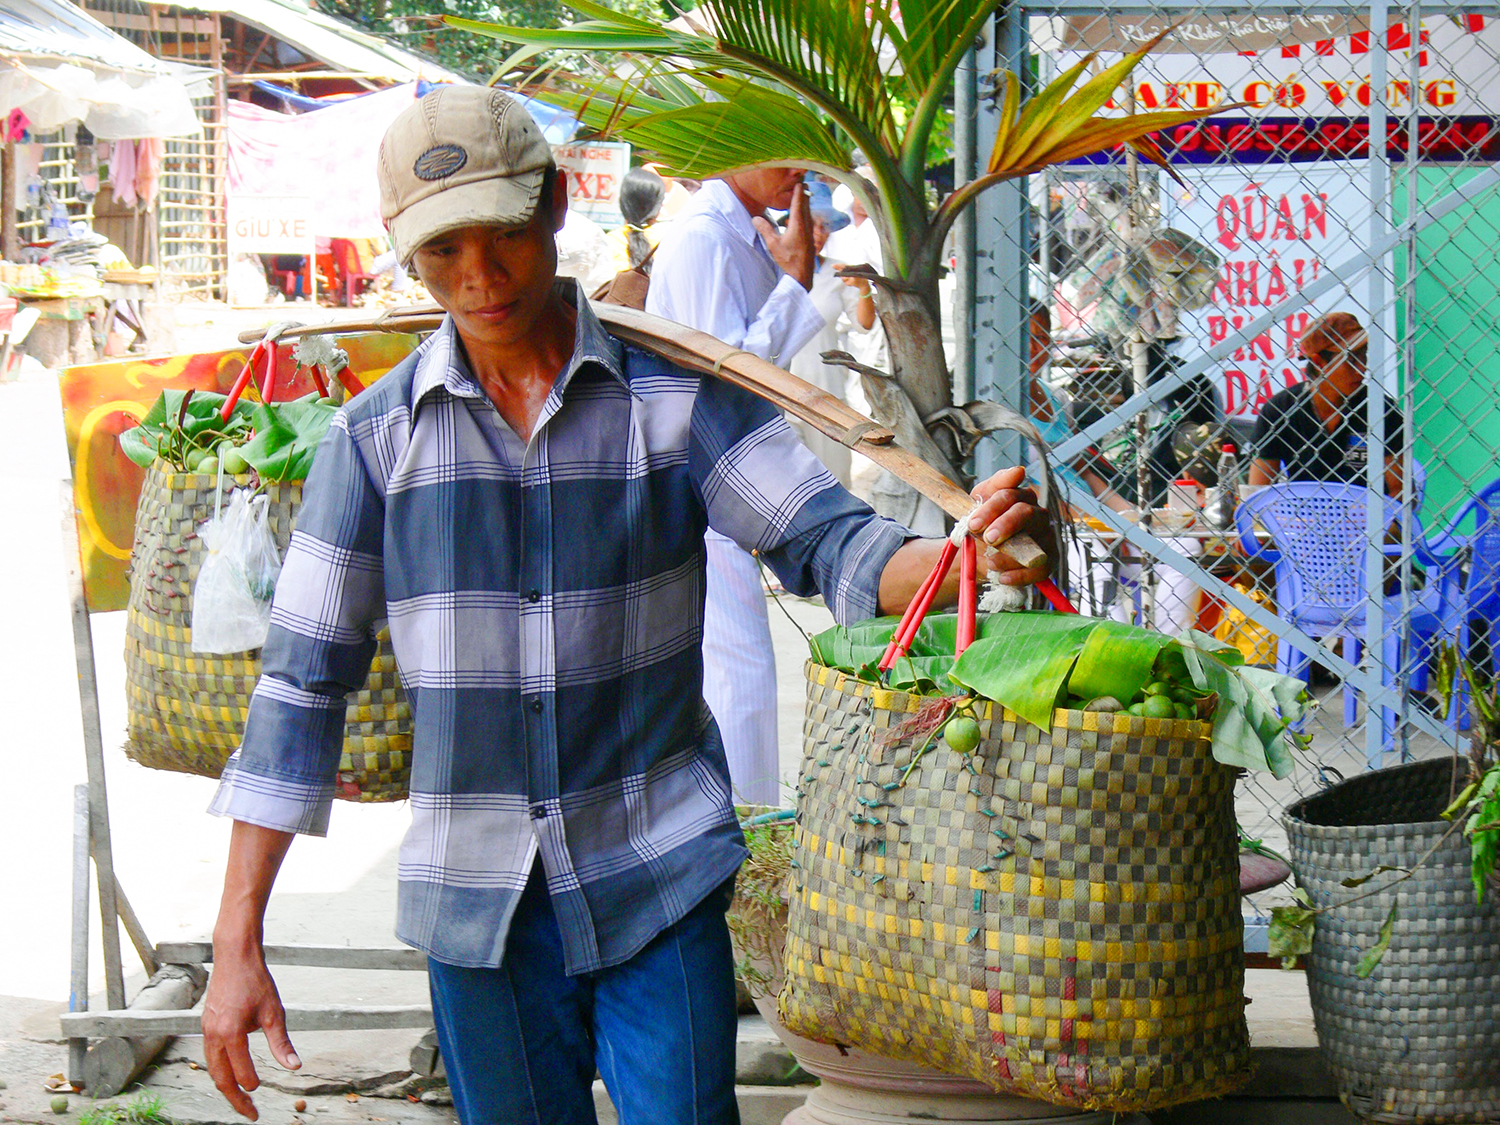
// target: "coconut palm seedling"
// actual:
[[811, 83]]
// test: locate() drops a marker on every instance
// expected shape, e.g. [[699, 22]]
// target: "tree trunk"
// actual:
[[917, 386]]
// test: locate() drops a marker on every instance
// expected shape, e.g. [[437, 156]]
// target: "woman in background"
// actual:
[[642, 193]]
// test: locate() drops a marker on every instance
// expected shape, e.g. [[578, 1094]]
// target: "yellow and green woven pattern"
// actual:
[[1056, 915], [187, 709]]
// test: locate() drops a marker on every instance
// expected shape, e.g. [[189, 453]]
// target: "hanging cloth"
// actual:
[[148, 157], [122, 172]]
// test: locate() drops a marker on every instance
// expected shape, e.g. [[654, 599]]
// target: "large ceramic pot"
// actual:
[[858, 1088]]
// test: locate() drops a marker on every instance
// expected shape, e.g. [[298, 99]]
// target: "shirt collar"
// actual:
[[441, 361], [721, 200]]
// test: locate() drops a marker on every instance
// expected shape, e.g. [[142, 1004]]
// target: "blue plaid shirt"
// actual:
[[545, 603]]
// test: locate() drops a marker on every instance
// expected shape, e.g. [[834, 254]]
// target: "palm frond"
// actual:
[[748, 126], [757, 83], [933, 34], [822, 49]]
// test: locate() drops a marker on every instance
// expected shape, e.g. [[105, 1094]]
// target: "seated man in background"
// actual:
[[1318, 429]]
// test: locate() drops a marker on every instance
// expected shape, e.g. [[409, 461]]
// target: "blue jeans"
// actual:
[[521, 1043]]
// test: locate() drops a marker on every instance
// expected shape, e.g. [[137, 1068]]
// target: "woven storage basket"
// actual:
[[187, 709], [1056, 915], [1419, 1039]]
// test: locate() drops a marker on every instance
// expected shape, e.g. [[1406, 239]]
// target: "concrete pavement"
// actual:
[[169, 853]]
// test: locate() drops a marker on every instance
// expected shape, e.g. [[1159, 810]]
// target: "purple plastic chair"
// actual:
[[1318, 548], [1480, 548]]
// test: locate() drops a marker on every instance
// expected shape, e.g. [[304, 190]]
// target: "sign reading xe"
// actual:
[[270, 224], [594, 170]]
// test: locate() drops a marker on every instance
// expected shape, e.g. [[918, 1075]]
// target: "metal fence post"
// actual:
[[1375, 389], [965, 168], [1003, 241]]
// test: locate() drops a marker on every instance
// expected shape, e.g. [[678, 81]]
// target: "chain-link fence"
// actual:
[[1356, 528]]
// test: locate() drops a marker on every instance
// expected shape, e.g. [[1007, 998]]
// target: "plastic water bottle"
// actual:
[[1229, 484]]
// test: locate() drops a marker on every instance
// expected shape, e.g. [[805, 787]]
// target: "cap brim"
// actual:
[[504, 201]]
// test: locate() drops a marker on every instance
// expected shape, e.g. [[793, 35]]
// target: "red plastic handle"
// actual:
[[1059, 600], [242, 380], [911, 620], [968, 595]]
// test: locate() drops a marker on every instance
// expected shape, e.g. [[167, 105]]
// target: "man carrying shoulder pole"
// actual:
[[523, 500]]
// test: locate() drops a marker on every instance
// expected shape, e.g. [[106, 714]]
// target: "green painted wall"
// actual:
[[1457, 324]]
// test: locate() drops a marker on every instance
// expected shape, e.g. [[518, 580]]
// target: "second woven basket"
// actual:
[[1418, 1040], [187, 709]]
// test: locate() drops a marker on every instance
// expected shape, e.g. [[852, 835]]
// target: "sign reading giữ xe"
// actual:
[[1311, 100]]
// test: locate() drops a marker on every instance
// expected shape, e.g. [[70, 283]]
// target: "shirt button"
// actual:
[[538, 812], [536, 704], [534, 596]]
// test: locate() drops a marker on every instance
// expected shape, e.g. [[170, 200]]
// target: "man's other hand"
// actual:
[[792, 248], [1007, 509], [242, 998]]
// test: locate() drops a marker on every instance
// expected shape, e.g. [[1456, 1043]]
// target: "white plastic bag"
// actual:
[[232, 597]]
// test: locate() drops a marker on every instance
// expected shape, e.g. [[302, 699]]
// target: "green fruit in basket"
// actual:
[[195, 458], [961, 734], [234, 462], [1158, 707], [1186, 711], [1184, 695], [209, 465], [1136, 709], [1160, 687]]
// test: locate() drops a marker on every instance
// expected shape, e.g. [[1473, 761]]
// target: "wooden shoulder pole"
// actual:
[[698, 351]]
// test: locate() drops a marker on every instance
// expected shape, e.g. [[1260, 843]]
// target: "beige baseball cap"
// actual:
[[460, 156]]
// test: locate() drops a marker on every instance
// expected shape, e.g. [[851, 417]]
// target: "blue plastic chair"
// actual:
[[1480, 549], [1318, 551]]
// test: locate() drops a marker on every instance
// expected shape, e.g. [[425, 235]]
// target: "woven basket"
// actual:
[[187, 709], [1056, 915], [1419, 1039]]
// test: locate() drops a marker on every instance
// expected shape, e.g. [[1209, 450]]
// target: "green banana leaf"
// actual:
[[1256, 705], [1030, 661], [286, 433], [200, 423], [287, 436]]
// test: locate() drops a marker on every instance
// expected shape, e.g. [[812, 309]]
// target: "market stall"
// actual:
[[82, 106]]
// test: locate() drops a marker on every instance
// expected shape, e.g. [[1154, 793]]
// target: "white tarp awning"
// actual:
[[58, 64]]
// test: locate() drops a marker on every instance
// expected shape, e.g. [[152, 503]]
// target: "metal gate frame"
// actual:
[[993, 315]]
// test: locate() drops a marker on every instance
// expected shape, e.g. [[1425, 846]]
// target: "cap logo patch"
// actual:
[[439, 162]]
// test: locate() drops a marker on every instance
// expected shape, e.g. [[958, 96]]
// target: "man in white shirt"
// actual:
[[726, 270]]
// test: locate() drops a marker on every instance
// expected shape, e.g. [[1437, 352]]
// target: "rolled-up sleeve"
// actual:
[[764, 489], [329, 598]]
